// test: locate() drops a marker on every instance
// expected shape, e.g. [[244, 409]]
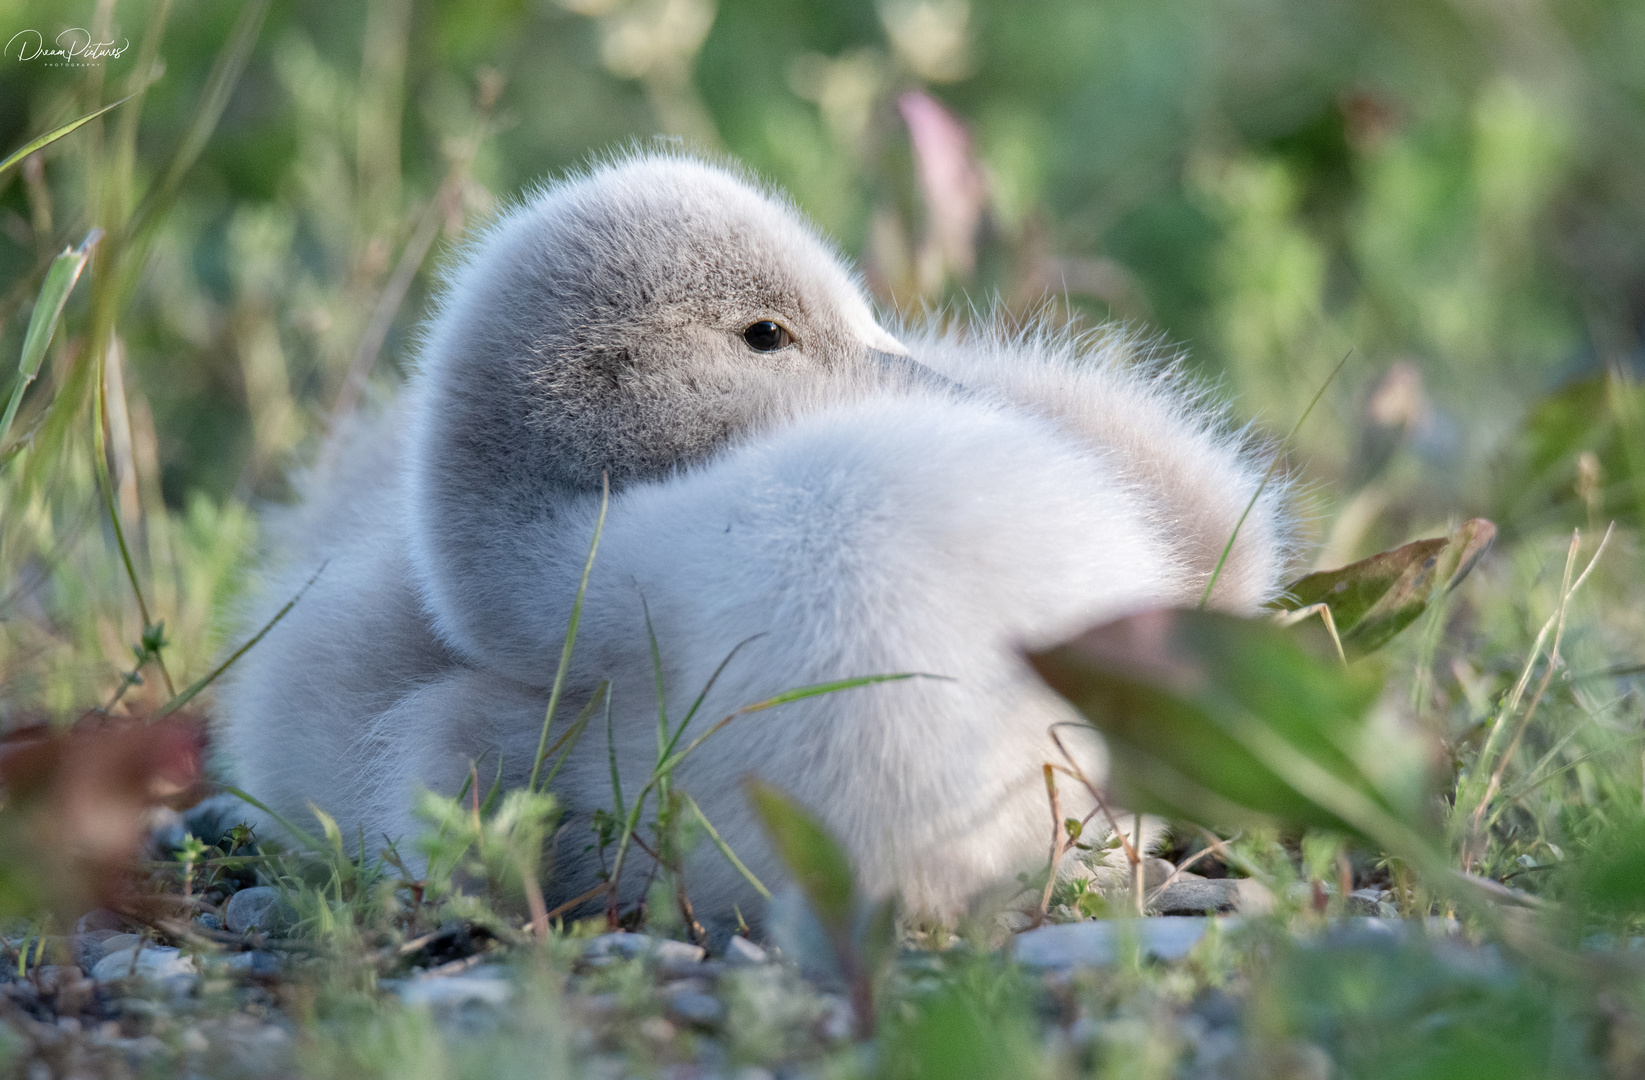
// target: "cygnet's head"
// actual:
[[628, 321], [632, 318]]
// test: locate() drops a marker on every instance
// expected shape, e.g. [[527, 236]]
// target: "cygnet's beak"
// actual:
[[907, 367]]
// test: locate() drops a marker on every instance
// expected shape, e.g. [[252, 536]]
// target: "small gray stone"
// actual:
[[259, 962], [1371, 902], [209, 921], [679, 952], [260, 907], [695, 1007], [1154, 872], [1196, 896], [158, 963], [740, 951], [453, 991], [1098, 942], [113, 943], [86, 946], [619, 945]]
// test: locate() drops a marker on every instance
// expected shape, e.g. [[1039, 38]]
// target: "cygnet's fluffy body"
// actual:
[[841, 506]]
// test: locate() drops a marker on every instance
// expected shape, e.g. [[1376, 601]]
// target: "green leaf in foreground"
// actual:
[[1375, 598], [863, 937], [48, 309], [819, 866], [1226, 721]]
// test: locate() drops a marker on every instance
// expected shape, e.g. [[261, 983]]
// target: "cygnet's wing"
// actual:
[[908, 533], [350, 490], [1164, 432], [298, 708]]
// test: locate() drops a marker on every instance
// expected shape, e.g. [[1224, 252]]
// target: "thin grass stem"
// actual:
[[198, 685], [1222, 559], [570, 634], [725, 849]]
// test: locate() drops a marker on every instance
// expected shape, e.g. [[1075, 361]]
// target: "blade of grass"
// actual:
[[570, 634], [1567, 590], [1533, 781], [672, 760], [40, 142], [784, 698], [709, 685], [611, 759], [105, 482], [48, 311], [388, 306], [144, 73], [1511, 705], [1222, 559], [495, 790], [220, 84], [657, 672], [725, 849], [194, 689], [574, 732]]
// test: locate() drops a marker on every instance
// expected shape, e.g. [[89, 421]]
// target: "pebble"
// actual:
[[1013, 922], [154, 962], [692, 1006], [1197, 895], [260, 907], [1098, 942], [680, 951], [112, 943], [618, 945], [87, 945], [673, 957], [742, 952], [452, 991], [1372, 902], [678, 958], [259, 962]]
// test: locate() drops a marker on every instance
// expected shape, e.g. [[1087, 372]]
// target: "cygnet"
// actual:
[[792, 486]]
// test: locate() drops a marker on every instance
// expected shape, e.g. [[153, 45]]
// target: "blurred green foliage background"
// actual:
[[1452, 190]]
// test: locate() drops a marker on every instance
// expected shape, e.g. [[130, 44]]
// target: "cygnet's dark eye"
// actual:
[[766, 336]]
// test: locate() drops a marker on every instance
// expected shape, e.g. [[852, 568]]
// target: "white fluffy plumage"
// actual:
[[832, 507]]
